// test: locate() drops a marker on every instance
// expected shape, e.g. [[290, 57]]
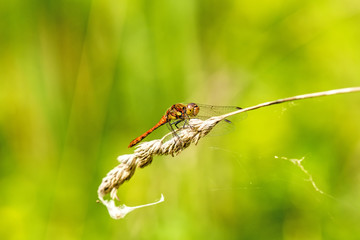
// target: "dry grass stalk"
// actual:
[[144, 153]]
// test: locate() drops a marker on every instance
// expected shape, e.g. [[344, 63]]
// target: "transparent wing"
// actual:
[[207, 111]]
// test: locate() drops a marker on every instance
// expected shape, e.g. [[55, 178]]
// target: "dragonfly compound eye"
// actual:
[[192, 109]]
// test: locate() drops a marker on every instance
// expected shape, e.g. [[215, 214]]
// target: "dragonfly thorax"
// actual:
[[182, 111]]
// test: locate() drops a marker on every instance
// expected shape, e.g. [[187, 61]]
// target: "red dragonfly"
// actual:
[[182, 113]]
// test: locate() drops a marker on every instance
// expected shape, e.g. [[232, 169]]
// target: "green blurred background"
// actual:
[[80, 79]]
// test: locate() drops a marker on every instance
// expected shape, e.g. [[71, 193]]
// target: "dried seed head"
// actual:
[[144, 153]]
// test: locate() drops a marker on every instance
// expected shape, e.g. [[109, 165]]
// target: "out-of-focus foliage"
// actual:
[[80, 79]]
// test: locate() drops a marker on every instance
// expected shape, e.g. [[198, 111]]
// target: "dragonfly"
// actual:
[[180, 112]]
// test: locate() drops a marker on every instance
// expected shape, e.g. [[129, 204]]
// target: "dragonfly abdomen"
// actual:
[[162, 121]]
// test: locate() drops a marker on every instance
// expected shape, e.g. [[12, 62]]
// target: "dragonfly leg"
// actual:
[[176, 123], [171, 127], [173, 130], [186, 122]]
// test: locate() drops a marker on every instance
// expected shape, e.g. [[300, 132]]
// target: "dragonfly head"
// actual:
[[192, 109]]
